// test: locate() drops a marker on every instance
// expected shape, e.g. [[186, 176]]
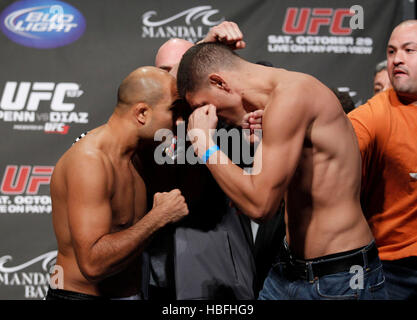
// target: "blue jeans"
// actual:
[[401, 278], [280, 285]]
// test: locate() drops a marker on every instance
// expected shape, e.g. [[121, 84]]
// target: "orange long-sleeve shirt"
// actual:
[[387, 135]]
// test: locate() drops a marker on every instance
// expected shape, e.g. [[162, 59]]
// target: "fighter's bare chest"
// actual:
[[123, 200]]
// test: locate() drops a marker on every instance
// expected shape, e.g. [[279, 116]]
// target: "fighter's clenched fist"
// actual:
[[201, 125], [252, 121], [171, 205]]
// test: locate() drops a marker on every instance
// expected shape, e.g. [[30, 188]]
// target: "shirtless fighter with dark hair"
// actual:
[[309, 157]]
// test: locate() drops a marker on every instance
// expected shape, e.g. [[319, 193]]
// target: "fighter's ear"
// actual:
[[174, 70], [216, 80], [142, 112]]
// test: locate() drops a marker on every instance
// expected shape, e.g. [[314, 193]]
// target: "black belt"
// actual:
[[309, 270]]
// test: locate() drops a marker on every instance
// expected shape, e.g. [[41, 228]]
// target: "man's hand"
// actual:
[[252, 121], [201, 125], [171, 205], [228, 33]]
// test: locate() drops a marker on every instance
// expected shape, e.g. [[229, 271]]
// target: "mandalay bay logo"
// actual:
[[29, 276], [191, 24]]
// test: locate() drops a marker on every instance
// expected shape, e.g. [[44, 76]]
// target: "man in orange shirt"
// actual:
[[386, 127]]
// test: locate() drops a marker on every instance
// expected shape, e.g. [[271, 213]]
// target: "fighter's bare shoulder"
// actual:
[[291, 96], [85, 162], [297, 93]]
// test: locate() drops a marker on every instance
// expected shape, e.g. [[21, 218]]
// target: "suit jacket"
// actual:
[[216, 263], [207, 255]]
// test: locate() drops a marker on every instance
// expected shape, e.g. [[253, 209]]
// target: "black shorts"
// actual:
[[59, 294]]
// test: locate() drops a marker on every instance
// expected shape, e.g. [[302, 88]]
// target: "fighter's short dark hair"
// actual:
[[199, 61]]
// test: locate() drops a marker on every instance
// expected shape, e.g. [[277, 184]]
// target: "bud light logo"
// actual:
[[42, 24]]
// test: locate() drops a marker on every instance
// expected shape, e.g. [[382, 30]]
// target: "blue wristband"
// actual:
[[209, 152]]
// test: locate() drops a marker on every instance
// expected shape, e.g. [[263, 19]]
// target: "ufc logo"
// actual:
[[309, 21], [52, 127], [16, 180], [17, 96]]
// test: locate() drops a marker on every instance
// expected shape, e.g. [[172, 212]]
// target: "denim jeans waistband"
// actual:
[[329, 264]]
